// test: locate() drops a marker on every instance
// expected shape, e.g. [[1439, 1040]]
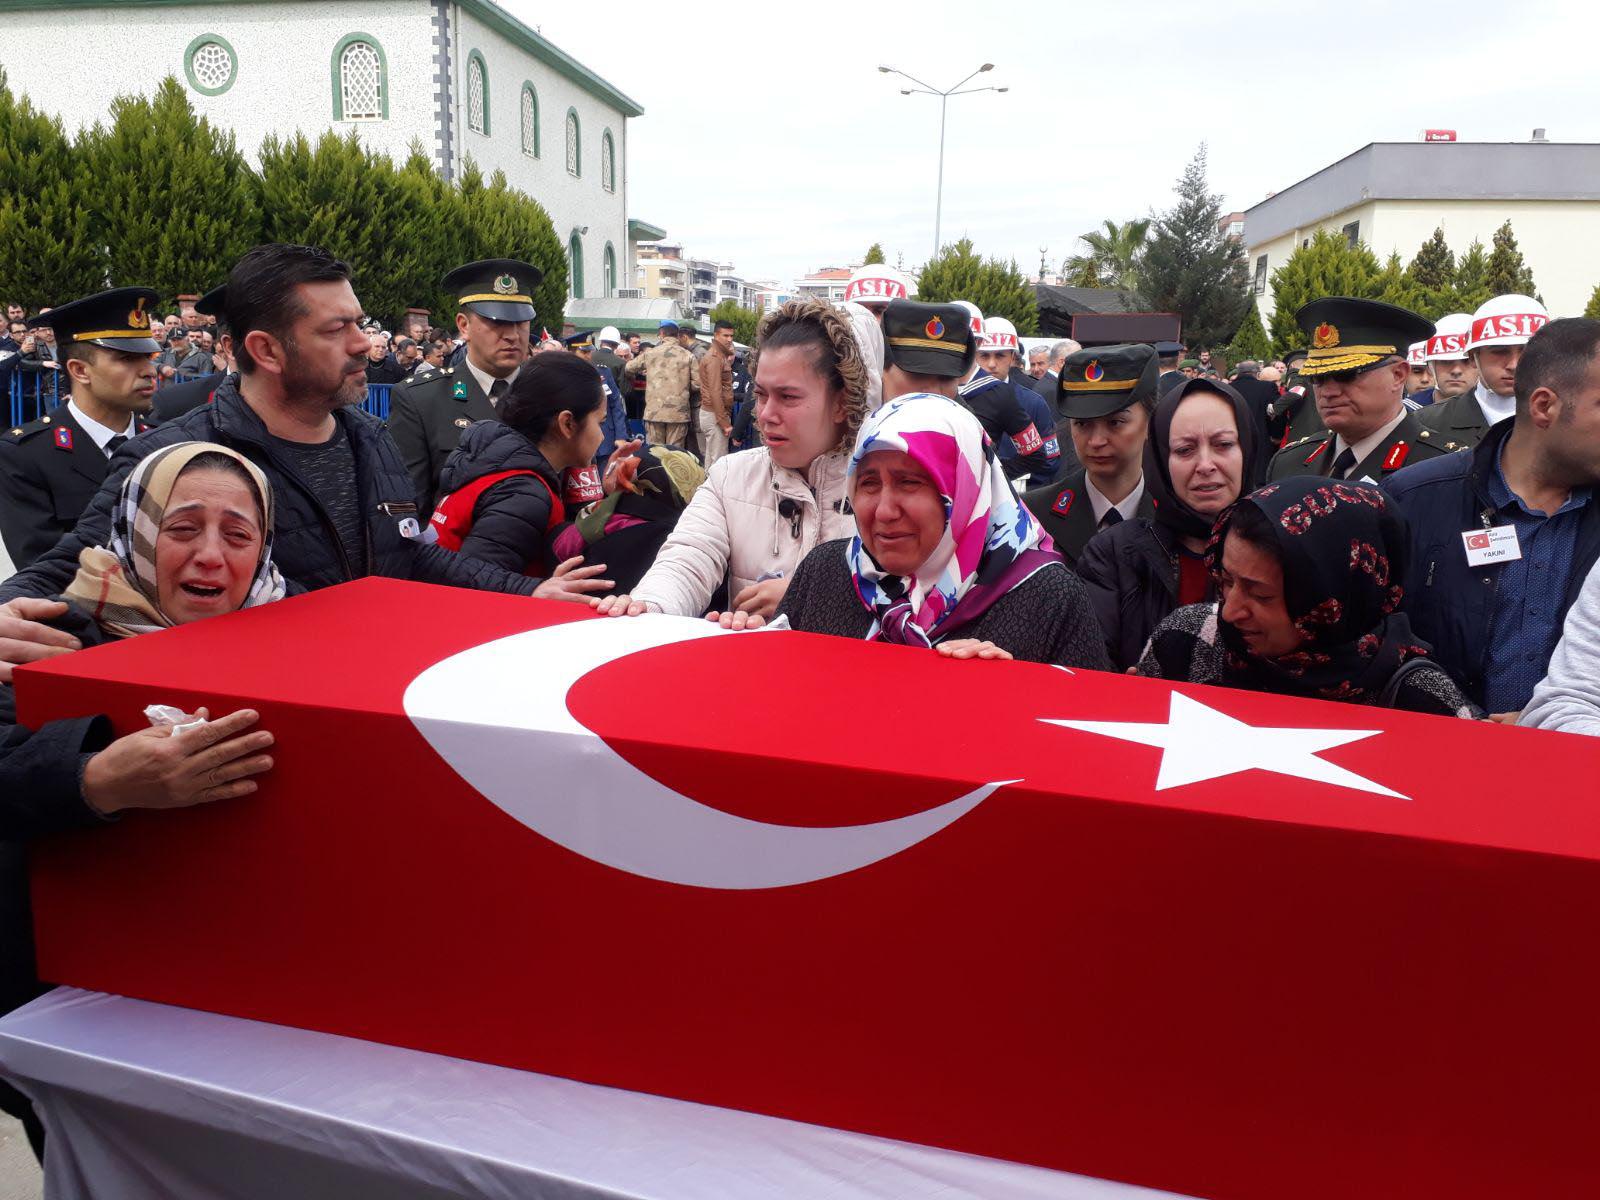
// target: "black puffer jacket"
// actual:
[[511, 517], [305, 547], [1131, 570]]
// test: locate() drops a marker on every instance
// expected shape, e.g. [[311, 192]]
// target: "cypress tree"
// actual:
[[1592, 309], [175, 202], [1190, 268], [44, 210], [743, 320], [435, 242], [1329, 266], [1434, 267], [497, 221], [1472, 279], [874, 256], [1394, 286], [1251, 340], [957, 272], [1506, 271]]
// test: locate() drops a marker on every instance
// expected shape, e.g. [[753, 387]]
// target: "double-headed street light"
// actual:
[[944, 99]]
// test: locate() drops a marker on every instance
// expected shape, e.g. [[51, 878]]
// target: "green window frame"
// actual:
[[574, 144], [575, 265], [608, 162], [608, 264], [206, 39], [336, 69], [474, 57], [530, 145]]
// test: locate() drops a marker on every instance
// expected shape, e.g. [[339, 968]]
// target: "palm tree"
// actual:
[[1113, 256]]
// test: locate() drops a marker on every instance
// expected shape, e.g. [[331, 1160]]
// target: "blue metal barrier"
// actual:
[[377, 401], [34, 393]]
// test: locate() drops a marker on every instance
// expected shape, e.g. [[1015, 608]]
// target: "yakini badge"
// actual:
[[1495, 545]]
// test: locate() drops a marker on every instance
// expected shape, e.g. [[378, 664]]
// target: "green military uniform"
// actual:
[[668, 371], [1091, 384], [1349, 338], [51, 468], [427, 414], [1459, 419]]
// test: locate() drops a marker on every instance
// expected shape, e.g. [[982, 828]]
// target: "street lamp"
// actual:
[[944, 99]]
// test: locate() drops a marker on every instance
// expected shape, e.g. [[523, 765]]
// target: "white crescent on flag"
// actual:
[[497, 713]]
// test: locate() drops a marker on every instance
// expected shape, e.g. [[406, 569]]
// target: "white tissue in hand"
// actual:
[[164, 714]]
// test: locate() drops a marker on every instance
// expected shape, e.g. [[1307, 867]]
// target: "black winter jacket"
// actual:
[[1131, 571], [510, 517], [305, 547], [1451, 605]]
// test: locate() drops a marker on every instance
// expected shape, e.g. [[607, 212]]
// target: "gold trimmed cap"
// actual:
[[1348, 334], [118, 320], [928, 339], [500, 289], [1105, 379]]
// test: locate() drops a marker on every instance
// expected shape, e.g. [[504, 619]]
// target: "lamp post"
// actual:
[[944, 99]]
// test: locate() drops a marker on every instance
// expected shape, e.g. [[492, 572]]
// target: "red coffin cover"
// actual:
[[1350, 954]]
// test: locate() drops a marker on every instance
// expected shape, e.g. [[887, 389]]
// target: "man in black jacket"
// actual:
[[345, 503], [1502, 537]]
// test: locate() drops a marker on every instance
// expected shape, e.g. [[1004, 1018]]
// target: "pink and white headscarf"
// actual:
[[990, 543]]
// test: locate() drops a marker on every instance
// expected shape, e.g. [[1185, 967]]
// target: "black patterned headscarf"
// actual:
[[1343, 551]]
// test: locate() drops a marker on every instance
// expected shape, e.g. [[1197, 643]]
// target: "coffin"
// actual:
[[1210, 941]]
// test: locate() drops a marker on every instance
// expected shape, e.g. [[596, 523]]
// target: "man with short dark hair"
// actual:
[[15, 313], [344, 501], [1502, 537], [715, 415], [51, 467]]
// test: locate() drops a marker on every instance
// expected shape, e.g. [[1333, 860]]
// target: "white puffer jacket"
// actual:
[[732, 529]]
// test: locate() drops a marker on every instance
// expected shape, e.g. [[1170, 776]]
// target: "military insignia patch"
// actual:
[[934, 328], [1396, 457], [460, 389], [1094, 372], [463, 422], [1063, 502], [63, 438], [1325, 336], [506, 285], [138, 318]]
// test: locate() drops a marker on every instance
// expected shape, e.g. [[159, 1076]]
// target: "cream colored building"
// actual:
[[1392, 195]]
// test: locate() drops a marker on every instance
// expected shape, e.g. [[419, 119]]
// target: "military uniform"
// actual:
[[1093, 383], [428, 413], [1459, 419], [668, 372], [51, 468], [1408, 443]]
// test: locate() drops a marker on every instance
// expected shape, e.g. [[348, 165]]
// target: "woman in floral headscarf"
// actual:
[[945, 555], [1307, 573]]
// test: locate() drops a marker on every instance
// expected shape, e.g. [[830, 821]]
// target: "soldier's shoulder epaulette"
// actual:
[[21, 433], [420, 381]]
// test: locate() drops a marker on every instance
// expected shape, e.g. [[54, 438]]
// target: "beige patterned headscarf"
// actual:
[[117, 585]]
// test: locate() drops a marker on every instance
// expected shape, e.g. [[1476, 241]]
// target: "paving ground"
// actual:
[[20, 1178]]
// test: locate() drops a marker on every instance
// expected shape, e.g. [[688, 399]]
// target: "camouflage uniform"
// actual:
[[667, 369]]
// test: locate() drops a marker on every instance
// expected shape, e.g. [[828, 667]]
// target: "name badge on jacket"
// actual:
[[1496, 545]]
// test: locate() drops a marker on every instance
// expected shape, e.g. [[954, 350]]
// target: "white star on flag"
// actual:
[[1199, 743]]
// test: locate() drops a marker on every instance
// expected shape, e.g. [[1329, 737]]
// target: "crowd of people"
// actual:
[[1397, 515]]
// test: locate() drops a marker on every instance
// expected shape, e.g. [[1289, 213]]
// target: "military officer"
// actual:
[[1357, 364], [614, 424], [427, 415], [1493, 344], [668, 370], [51, 468], [1106, 394]]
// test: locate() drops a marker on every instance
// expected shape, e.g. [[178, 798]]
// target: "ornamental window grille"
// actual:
[[361, 83], [608, 179], [609, 263], [572, 143], [212, 66], [475, 99], [530, 123]]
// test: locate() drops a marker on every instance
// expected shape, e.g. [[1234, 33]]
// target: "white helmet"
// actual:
[[1506, 321], [609, 334], [1449, 340], [876, 285], [1001, 334], [1417, 355], [975, 321]]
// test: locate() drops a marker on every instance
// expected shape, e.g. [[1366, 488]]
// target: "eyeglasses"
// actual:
[[1343, 377]]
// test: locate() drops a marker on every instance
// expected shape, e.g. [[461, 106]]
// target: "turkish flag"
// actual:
[[1227, 944], [1477, 541]]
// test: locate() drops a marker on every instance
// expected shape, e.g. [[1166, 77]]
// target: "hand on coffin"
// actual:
[[618, 606], [737, 620], [1505, 718], [971, 648], [156, 768], [762, 599], [24, 640], [573, 581]]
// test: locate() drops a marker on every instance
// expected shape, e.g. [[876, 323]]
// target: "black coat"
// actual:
[[1407, 444], [1132, 574], [511, 517], [176, 399], [426, 418], [1258, 395], [46, 481], [1067, 514], [305, 544], [1459, 419], [1451, 604]]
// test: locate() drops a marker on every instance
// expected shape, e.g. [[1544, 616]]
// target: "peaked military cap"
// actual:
[[1106, 379], [579, 341], [118, 320], [1169, 349], [1356, 335], [498, 288], [928, 339]]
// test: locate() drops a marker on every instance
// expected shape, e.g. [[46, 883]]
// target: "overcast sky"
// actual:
[[771, 141]]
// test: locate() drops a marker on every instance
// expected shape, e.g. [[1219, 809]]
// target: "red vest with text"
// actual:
[[452, 516]]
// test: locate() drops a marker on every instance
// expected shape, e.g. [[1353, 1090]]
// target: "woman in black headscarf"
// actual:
[[1203, 453], [1307, 573]]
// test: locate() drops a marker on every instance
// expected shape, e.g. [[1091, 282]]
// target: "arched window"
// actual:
[[609, 264], [360, 80], [575, 265], [530, 121], [608, 162], [574, 157], [210, 64], [477, 94]]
